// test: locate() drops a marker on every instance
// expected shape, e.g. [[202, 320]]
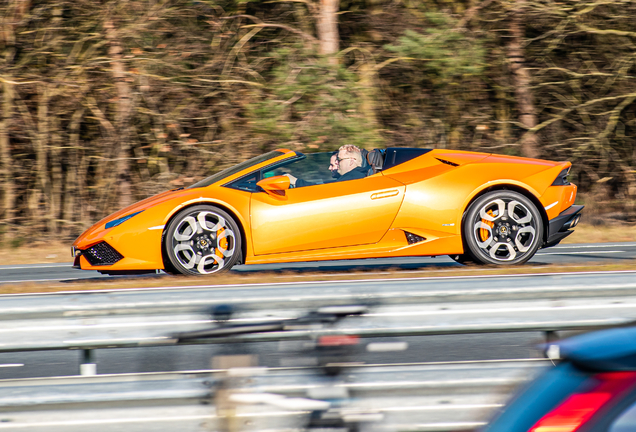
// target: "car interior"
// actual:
[[314, 167]]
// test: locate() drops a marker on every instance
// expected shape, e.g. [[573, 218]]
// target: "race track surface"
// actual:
[[599, 253]]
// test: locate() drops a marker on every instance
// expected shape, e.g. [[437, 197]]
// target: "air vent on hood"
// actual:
[[447, 162]]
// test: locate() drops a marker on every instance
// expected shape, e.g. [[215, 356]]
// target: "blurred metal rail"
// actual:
[[418, 398], [143, 318]]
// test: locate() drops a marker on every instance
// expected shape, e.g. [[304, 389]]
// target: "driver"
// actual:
[[333, 167], [350, 163]]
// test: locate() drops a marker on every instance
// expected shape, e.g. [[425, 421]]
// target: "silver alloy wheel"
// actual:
[[203, 241], [505, 229]]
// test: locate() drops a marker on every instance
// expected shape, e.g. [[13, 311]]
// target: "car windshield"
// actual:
[[235, 169], [312, 168]]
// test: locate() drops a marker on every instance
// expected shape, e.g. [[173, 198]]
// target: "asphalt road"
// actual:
[[603, 253], [272, 354]]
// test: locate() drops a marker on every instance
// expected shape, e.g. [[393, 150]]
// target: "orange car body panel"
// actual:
[[364, 218], [331, 215]]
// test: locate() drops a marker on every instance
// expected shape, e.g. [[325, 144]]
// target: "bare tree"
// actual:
[[6, 160], [124, 108], [327, 29], [522, 81]]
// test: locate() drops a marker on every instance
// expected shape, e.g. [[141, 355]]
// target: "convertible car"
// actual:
[[476, 207]]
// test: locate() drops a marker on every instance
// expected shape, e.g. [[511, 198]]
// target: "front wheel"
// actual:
[[202, 240], [503, 228]]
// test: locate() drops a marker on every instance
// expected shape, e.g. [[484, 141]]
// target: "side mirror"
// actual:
[[275, 185]]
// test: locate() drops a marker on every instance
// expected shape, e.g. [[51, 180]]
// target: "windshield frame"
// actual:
[[236, 169]]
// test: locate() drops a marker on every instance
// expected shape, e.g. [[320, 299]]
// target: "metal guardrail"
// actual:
[[403, 320], [430, 398], [425, 398], [311, 295], [92, 321]]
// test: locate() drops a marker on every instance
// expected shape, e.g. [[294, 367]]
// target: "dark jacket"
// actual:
[[354, 174]]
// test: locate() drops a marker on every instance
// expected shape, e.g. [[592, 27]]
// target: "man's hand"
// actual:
[[292, 179]]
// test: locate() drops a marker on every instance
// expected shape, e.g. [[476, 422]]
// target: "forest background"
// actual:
[[106, 102]]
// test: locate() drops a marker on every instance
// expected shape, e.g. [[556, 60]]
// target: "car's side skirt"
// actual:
[[394, 244]]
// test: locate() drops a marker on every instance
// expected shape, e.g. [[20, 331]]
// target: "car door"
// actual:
[[330, 215]]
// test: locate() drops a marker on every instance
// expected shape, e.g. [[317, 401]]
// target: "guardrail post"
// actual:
[[88, 366], [551, 336]]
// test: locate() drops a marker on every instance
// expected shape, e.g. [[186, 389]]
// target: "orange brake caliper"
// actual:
[[483, 232], [222, 243]]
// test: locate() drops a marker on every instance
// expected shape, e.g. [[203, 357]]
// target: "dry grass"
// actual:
[[49, 252], [57, 252], [586, 233]]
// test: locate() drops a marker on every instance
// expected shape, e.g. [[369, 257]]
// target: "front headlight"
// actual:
[[121, 220]]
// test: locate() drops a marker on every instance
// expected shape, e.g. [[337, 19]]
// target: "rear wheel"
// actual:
[[202, 240], [503, 228]]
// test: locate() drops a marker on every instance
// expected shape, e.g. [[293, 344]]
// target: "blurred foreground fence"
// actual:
[[417, 397], [409, 307], [449, 397]]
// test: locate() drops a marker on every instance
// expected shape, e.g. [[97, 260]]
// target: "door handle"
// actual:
[[385, 194]]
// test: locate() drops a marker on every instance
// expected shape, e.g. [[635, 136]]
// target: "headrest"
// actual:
[[375, 158], [364, 153]]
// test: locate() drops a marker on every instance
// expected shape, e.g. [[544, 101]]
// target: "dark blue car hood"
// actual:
[[605, 350]]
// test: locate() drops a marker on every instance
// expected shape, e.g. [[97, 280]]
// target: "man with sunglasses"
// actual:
[[345, 164], [350, 163]]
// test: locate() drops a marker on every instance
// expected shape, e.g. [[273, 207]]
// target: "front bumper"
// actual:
[[100, 254], [560, 227]]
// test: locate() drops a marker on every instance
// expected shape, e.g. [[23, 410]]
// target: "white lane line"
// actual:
[[580, 253], [11, 365], [47, 280], [595, 246], [29, 267], [387, 346]]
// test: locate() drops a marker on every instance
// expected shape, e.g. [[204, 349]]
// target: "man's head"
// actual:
[[333, 165], [349, 158]]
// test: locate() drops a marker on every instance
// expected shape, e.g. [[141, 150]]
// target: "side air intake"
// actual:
[[102, 254], [413, 238]]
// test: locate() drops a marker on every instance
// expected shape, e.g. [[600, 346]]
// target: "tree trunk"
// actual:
[[42, 192], [8, 24], [6, 160], [56, 181], [73, 186], [124, 107], [522, 81], [327, 27]]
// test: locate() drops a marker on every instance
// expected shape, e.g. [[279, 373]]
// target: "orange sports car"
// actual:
[[286, 206]]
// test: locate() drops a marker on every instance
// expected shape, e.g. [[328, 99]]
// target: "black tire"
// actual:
[[202, 239], [502, 228]]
